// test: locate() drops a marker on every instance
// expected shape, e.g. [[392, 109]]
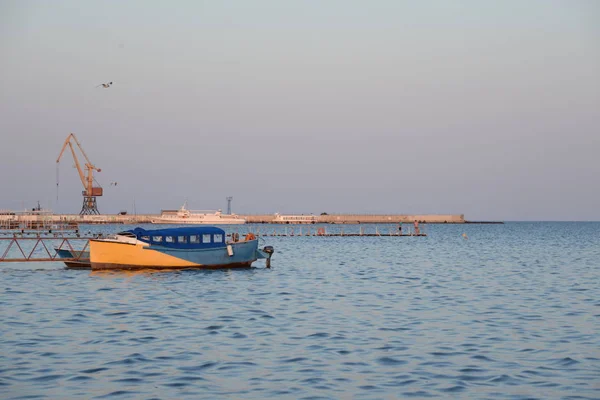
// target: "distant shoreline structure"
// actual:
[[10, 218]]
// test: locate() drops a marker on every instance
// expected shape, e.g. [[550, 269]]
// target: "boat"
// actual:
[[295, 219], [176, 248], [78, 259], [185, 216]]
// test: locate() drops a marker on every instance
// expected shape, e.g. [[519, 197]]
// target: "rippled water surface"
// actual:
[[513, 312]]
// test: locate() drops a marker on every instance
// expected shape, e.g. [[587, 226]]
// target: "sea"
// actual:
[[477, 311]]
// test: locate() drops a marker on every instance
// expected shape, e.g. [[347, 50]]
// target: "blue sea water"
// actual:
[[512, 312]]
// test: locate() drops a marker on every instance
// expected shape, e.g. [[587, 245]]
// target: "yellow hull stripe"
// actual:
[[102, 252]]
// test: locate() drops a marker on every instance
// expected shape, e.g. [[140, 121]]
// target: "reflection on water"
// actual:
[[512, 312], [169, 273]]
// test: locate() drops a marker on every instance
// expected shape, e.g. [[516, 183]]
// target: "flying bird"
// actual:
[[105, 85]]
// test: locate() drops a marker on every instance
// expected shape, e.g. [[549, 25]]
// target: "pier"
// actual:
[[33, 245], [323, 231], [28, 246]]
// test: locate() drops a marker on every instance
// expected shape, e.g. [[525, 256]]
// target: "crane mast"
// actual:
[[87, 177]]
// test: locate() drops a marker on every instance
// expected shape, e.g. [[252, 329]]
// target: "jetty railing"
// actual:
[[326, 230], [26, 246]]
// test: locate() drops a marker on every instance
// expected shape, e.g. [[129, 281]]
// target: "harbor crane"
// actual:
[[90, 193]]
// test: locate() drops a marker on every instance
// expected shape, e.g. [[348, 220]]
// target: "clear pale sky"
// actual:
[[487, 108]]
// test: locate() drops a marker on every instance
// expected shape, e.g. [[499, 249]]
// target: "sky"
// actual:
[[485, 108]]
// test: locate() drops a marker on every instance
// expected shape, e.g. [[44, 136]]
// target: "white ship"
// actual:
[[185, 216]]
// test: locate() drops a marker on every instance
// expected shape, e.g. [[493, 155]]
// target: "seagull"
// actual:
[[105, 85], [113, 184]]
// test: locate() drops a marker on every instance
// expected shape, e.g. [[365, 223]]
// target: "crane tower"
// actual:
[[87, 178]]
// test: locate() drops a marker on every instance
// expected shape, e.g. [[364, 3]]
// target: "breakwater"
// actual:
[[26, 220]]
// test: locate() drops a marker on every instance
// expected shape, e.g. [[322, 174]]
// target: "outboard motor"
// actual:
[[269, 250]]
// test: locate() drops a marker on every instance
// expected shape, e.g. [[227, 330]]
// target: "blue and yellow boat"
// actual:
[[176, 248]]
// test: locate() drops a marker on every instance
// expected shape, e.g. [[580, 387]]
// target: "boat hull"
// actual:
[[65, 253], [78, 264], [81, 258], [107, 254]]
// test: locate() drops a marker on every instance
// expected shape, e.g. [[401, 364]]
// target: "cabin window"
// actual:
[[194, 238], [157, 239], [145, 238], [218, 238], [182, 239], [206, 238], [170, 239]]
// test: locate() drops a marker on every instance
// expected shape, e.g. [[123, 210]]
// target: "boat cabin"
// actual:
[[201, 237]]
